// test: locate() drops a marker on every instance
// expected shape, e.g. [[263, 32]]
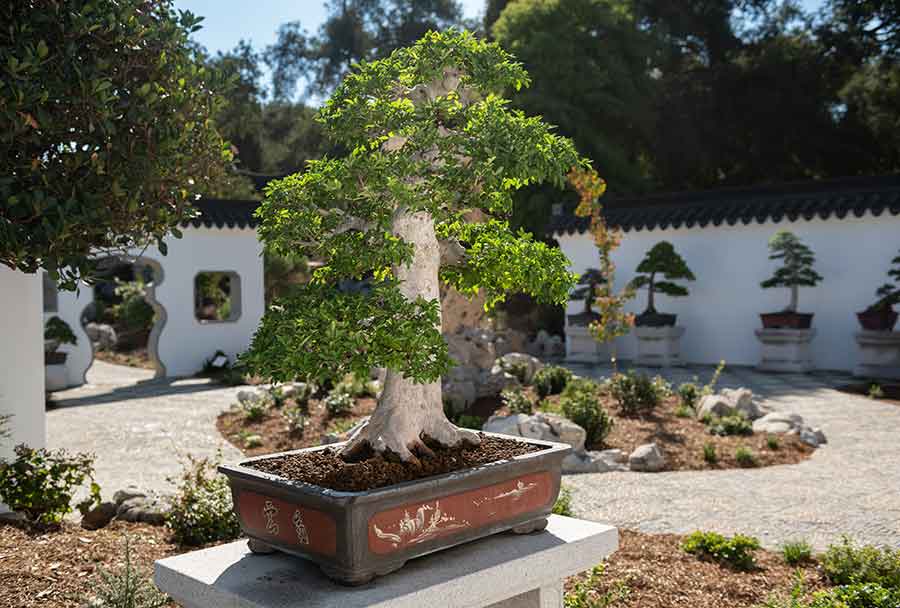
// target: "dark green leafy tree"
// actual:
[[797, 266], [430, 140], [106, 129], [355, 30], [662, 259]]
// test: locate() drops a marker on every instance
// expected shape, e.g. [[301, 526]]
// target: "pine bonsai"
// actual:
[[662, 259], [56, 333], [429, 139], [797, 270], [889, 293], [586, 291]]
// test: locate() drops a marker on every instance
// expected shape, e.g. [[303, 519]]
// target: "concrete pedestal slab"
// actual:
[[502, 571]]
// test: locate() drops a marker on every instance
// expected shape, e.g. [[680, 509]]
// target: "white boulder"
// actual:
[[647, 458]]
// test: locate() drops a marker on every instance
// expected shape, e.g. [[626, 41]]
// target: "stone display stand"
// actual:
[[786, 350], [658, 346], [879, 354], [502, 571], [582, 346], [55, 377]]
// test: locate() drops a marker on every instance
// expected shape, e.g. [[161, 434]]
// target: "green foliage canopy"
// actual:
[[446, 155], [797, 269], [106, 129], [662, 259]]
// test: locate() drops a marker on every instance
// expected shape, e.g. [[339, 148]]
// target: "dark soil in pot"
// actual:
[[325, 468], [877, 320], [655, 319], [54, 358], [786, 320]]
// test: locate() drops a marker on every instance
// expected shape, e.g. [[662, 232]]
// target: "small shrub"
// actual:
[[735, 424], [201, 510], [563, 504], [517, 401], [579, 404], [40, 484], [468, 421], [745, 457], [876, 392], [276, 394], [585, 593], [519, 369], [846, 564], [354, 385], [296, 419], [127, 588], [796, 552], [252, 441], [709, 454], [634, 392], [338, 403], [772, 442], [689, 393], [867, 595], [683, 411], [551, 380], [736, 551], [340, 426], [254, 411]]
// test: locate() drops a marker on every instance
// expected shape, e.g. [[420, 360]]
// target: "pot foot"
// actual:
[[529, 527], [258, 547]]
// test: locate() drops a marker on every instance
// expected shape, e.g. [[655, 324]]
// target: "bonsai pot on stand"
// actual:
[[580, 344], [879, 345], [355, 536], [658, 341]]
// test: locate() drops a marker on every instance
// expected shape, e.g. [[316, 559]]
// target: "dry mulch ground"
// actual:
[[132, 358], [57, 569], [652, 571], [273, 428]]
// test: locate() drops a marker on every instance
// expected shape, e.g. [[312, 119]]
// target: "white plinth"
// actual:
[[786, 350], [56, 378], [879, 354], [582, 346], [658, 346], [502, 571]]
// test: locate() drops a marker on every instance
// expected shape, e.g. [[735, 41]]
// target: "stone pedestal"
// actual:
[[786, 350], [879, 354], [658, 346], [582, 346], [56, 377], [501, 571]]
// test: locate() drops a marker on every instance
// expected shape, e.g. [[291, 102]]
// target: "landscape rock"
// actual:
[[544, 345], [130, 492], [791, 424], [494, 381], [246, 396], [135, 506], [99, 516], [593, 462], [714, 405], [505, 425], [729, 401], [102, 335], [647, 458], [530, 363]]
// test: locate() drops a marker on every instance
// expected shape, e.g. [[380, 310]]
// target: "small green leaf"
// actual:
[[42, 49]]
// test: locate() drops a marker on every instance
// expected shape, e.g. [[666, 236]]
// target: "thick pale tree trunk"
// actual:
[[407, 411]]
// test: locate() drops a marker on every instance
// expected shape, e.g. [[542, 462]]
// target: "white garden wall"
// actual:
[[22, 359], [722, 311]]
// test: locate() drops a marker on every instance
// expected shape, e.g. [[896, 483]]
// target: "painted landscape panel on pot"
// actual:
[[280, 521], [415, 523]]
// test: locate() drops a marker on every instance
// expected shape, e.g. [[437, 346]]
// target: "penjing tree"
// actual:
[[430, 140]]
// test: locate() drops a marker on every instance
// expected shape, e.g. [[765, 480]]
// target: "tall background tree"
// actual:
[[106, 129]]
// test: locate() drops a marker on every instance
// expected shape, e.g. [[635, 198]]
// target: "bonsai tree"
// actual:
[[797, 269], [56, 333], [106, 129], [586, 290], [430, 139], [888, 294], [662, 259]]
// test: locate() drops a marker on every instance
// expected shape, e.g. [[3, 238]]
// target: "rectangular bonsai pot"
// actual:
[[786, 320], [355, 536]]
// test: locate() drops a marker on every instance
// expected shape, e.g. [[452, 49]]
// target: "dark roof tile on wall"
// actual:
[[221, 213], [807, 200]]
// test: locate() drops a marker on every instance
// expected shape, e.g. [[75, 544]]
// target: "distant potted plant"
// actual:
[[56, 333], [880, 316], [662, 260], [796, 271]]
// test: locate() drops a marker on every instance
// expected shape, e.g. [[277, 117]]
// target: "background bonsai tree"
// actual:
[[586, 291], [106, 129], [662, 259], [56, 333], [797, 266], [889, 293], [430, 139]]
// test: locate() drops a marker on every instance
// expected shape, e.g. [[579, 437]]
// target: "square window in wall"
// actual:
[[217, 297]]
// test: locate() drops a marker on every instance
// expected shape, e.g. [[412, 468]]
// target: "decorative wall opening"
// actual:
[[217, 297]]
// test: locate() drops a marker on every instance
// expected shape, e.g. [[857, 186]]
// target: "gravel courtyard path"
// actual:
[[140, 429], [849, 486]]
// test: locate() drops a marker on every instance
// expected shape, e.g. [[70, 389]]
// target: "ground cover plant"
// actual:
[[201, 508], [736, 551]]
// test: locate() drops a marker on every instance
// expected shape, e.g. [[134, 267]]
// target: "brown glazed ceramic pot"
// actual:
[[786, 320], [356, 536], [880, 319]]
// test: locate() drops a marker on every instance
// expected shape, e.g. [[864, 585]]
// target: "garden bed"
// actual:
[[275, 434]]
